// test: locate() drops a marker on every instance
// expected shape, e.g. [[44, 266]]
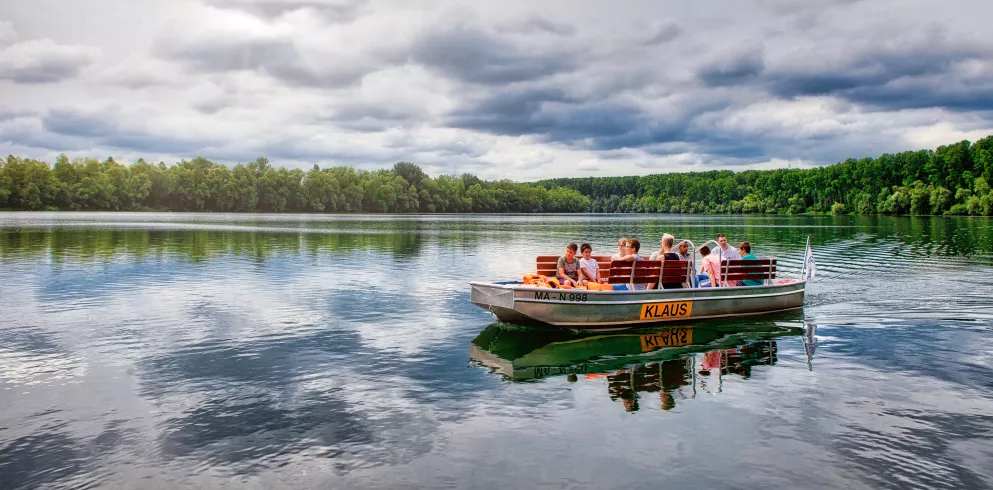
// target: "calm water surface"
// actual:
[[275, 351]]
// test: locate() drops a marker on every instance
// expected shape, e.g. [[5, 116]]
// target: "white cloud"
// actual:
[[7, 32], [44, 61], [501, 90]]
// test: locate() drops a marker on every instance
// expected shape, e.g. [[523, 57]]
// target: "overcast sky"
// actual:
[[509, 89]]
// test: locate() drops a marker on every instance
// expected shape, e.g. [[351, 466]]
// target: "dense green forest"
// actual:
[[202, 185], [953, 179]]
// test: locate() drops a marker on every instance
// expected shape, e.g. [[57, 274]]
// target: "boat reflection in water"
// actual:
[[678, 363]]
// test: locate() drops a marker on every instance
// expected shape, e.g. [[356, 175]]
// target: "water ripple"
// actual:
[[205, 350]]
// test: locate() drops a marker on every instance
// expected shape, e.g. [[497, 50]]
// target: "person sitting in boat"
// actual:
[[726, 252], [631, 247], [588, 266], [745, 249], [567, 267], [621, 245], [666, 253], [665, 249], [709, 275], [683, 251], [629, 252]]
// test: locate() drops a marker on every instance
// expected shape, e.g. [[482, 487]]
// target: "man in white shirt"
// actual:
[[727, 253]]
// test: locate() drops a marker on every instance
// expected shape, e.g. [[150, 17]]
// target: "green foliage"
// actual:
[[27, 184], [202, 185], [953, 179], [950, 180]]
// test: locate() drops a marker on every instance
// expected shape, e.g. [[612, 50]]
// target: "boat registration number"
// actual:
[[666, 311], [668, 338]]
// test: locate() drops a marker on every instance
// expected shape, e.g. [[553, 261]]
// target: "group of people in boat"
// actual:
[[574, 271]]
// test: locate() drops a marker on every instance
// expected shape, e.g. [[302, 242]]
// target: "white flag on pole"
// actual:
[[809, 265]]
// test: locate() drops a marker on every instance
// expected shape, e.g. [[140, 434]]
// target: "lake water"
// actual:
[[305, 351]]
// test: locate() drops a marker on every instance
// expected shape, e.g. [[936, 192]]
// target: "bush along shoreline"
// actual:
[[951, 180]]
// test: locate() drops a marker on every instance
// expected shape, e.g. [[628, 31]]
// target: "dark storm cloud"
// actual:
[[475, 56], [332, 11], [867, 69], [612, 126], [31, 135], [957, 97], [104, 129], [511, 112], [369, 117], [801, 6], [733, 70], [664, 33], [276, 57], [665, 138], [44, 61], [537, 24], [554, 116], [912, 79], [41, 72], [213, 105]]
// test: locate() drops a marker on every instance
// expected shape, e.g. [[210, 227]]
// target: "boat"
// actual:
[[529, 304]]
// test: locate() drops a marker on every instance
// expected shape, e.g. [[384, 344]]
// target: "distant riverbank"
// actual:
[[951, 180]]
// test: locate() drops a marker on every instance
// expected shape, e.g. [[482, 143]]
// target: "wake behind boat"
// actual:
[[529, 304]]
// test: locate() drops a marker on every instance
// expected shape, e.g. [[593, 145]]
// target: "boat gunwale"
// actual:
[[682, 293], [661, 299]]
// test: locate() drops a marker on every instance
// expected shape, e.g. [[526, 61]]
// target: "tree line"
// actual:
[[951, 180], [202, 185]]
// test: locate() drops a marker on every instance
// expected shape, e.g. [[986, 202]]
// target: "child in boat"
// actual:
[[588, 265], [621, 244], [709, 275], [567, 267]]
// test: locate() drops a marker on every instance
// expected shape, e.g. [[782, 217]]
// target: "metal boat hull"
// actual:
[[588, 310]]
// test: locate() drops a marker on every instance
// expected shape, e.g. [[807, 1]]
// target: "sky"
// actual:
[[513, 89]]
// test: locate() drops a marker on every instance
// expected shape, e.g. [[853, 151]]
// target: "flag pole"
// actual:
[[806, 251]]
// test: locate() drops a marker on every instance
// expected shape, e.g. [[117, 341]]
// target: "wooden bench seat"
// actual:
[[648, 272], [754, 270], [675, 271]]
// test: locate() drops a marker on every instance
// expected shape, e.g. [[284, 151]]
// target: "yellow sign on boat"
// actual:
[[666, 338], [666, 311]]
